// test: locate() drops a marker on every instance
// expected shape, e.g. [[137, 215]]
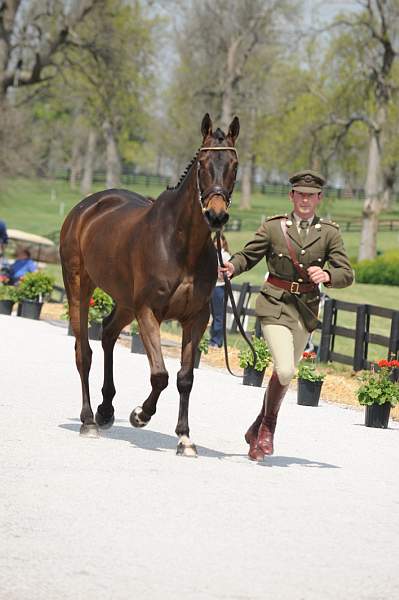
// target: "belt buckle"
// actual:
[[294, 287]]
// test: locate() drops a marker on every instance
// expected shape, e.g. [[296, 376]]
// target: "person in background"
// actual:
[[22, 265], [296, 248], [217, 300], [3, 240]]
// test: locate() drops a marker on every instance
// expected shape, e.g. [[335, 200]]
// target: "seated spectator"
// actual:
[[23, 264], [3, 240]]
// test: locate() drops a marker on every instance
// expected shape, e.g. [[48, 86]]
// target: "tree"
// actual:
[[373, 38], [32, 33], [236, 44]]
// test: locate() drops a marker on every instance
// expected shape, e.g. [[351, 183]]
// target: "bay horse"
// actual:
[[157, 261]]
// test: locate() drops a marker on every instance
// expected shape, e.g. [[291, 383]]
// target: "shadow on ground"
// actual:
[[158, 442]]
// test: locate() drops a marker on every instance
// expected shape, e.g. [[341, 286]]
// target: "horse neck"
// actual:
[[191, 227]]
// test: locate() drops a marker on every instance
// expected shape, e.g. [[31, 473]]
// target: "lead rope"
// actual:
[[228, 292]]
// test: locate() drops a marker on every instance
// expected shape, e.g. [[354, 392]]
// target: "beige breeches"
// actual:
[[286, 346]]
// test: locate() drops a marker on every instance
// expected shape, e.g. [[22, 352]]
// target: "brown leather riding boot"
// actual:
[[275, 395], [251, 436]]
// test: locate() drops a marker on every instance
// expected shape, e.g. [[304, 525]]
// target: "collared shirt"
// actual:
[[299, 219]]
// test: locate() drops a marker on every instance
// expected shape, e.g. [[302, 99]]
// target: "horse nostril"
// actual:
[[224, 218]]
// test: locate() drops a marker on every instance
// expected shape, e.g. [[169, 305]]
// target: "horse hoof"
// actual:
[[189, 451], [138, 418], [89, 431], [102, 422]]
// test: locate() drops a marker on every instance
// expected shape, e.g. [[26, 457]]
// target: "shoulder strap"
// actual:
[[299, 269]]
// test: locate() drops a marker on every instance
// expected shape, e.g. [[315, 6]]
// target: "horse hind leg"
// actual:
[[112, 326], [150, 334], [79, 288]]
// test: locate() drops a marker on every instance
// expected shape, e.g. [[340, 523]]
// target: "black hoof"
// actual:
[[103, 422], [89, 431], [189, 451], [138, 418]]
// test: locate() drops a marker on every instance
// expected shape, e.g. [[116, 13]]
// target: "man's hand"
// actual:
[[317, 275], [228, 269]]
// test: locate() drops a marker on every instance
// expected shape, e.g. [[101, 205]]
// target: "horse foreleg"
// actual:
[[79, 289], [151, 336], [192, 334], [112, 326]]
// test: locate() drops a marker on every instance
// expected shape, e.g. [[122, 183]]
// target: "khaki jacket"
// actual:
[[323, 245]]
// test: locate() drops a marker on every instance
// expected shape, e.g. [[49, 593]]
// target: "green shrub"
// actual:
[[203, 346], [34, 286], [8, 292], [100, 305], [382, 270], [263, 355]]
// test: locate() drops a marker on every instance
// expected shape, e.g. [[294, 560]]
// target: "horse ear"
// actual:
[[234, 129], [206, 126]]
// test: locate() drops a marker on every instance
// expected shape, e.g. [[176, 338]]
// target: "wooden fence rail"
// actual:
[[361, 334]]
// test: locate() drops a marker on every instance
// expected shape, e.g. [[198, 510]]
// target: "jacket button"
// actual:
[[303, 251], [281, 254], [301, 265], [319, 259], [300, 280]]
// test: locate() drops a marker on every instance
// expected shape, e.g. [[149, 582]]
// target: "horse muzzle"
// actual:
[[216, 220]]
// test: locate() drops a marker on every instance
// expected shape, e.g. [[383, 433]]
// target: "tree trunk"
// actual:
[[389, 184], [87, 179], [113, 162], [227, 95], [374, 187], [246, 183], [76, 164]]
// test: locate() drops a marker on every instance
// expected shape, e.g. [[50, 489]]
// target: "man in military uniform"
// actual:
[[296, 248]]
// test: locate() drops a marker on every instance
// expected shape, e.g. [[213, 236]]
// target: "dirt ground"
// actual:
[[338, 388]]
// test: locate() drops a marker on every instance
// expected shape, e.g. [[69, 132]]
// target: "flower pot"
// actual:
[[197, 358], [308, 392], [30, 309], [253, 377], [377, 415], [137, 344], [95, 330], [6, 307]]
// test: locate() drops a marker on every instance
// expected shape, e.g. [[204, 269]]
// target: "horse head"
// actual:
[[217, 170]]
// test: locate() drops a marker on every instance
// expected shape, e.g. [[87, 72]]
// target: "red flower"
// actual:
[[393, 363], [383, 363], [92, 302]]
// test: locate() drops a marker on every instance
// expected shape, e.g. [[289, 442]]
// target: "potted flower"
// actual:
[[8, 295], [137, 343], [379, 392], [310, 380], [100, 306], [203, 347], [31, 291], [253, 375]]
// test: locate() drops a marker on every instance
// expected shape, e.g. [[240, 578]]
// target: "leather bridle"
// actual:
[[215, 190]]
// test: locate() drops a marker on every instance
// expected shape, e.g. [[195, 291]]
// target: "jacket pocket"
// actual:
[[269, 302]]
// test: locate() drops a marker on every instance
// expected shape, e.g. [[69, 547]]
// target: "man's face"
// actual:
[[305, 203]]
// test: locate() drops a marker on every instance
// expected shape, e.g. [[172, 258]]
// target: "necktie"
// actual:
[[303, 230]]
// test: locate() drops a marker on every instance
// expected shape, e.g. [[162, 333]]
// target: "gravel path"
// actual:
[[122, 517]]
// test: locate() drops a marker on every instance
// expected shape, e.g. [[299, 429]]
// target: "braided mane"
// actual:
[[186, 170]]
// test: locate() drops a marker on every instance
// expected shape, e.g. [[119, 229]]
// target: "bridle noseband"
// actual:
[[215, 190]]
